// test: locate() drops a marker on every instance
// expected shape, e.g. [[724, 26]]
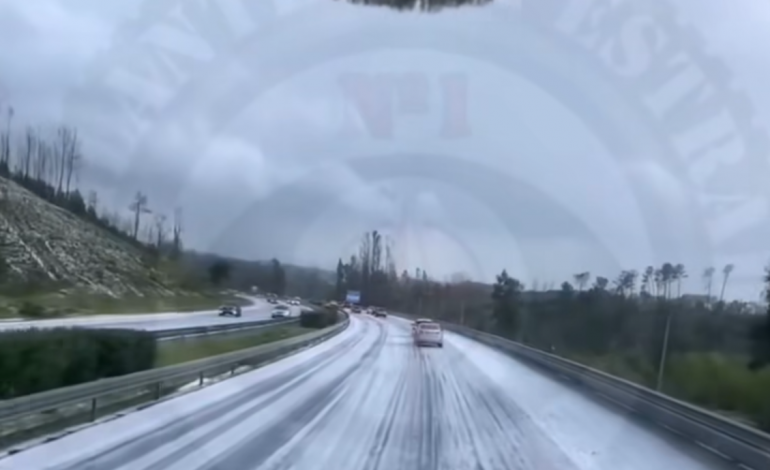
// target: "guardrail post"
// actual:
[[158, 390], [200, 379], [93, 409]]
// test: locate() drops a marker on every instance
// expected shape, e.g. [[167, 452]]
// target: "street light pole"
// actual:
[[664, 350]]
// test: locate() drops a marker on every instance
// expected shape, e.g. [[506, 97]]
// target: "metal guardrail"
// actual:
[[216, 329], [736, 441], [203, 330], [156, 380]]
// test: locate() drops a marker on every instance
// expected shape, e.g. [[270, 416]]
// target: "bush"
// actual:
[[319, 318], [34, 360], [33, 310], [711, 380]]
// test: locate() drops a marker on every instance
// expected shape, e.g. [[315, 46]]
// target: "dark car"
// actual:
[[230, 311], [380, 313], [272, 298], [356, 309]]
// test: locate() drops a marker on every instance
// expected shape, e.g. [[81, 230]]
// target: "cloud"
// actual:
[[474, 148]]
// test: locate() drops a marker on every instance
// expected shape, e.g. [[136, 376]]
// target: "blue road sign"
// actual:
[[353, 297]]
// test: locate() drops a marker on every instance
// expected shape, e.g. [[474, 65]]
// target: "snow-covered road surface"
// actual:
[[154, 321], [369, 400]]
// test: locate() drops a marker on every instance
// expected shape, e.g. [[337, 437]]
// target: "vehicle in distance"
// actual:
[[230, 311], [271, 298], [380, 313], [281, 311], [294, 301], [418, 322], [429, 333], [356, 309]]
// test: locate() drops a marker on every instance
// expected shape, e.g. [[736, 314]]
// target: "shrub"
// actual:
[[318, 318], [32, 310], [35, 360], [711, 380]]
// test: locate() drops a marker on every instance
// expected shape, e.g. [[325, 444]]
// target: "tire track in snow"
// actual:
[[432, 403], [146, 444], [498, 433], [385, 428], [356, 435], [257, 448]]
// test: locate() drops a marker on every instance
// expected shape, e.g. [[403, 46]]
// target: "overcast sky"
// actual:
[[544, 139]]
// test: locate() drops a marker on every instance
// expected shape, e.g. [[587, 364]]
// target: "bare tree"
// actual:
[[581, 279], [52, 167], [625, 284], [5, 140], [160, 230], [708, 279], [726, 271], [667, 277], [365, 258], [390, 262], [73, 160], [65, 144], [42, 159], [679, 273], [138, 207], [176, 233], [28, 152]]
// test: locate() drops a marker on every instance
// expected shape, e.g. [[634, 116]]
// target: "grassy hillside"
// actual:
[[45, 246], [54, 262]]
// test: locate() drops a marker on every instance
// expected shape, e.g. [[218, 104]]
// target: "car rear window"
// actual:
[[430, 326]]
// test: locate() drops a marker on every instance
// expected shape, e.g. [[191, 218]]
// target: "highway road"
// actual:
[[369, 400], [154, 321]]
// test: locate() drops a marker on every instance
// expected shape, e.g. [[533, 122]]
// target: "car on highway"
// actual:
[[429, 333], [380, 313], [294, 302], [418, 322], [230, 311], [272, 298], [281, 311], [356, 309]]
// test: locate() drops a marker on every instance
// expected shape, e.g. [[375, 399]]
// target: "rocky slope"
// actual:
[[42, 242]]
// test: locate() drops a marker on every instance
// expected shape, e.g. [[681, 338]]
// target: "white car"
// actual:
[[429, 333], [418, 322], [281, 311]]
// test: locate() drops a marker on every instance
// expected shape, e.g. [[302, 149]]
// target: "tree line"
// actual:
[[639, 325], [48, 163]]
